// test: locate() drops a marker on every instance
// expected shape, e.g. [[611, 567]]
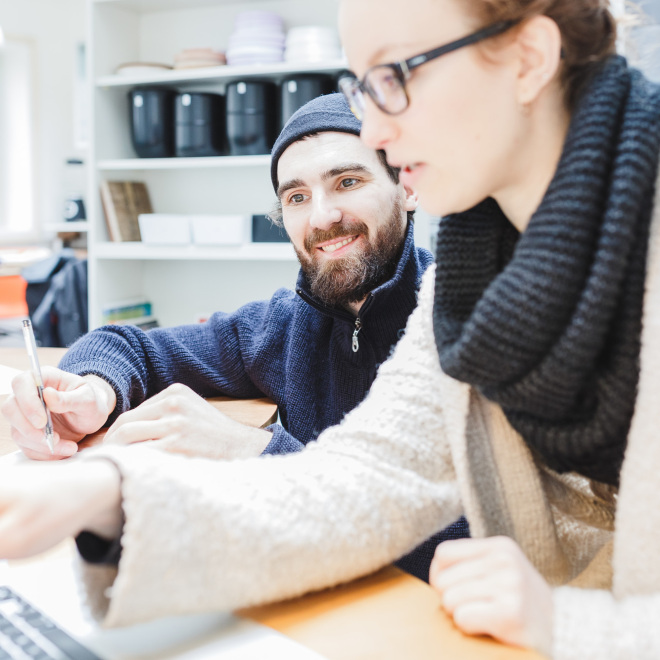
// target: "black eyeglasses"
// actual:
[[386, 83]]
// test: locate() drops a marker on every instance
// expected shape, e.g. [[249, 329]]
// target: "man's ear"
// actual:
[[539, 46], [411, 199]]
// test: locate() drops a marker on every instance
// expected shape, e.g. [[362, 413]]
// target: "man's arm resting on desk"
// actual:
[[180, 421], [212, 358]]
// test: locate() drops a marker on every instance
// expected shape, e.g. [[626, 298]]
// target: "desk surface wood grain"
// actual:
[[385, 615]]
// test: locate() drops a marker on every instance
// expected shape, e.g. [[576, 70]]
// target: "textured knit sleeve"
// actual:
[[282, 441], [224, 535], [591, 624], [211, 358]]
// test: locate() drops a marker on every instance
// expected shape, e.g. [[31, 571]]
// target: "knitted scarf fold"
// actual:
[[547, 323]]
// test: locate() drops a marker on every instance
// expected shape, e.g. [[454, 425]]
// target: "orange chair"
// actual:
[[12, 296]]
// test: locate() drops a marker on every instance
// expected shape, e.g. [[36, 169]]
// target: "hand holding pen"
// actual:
[[31, 346]]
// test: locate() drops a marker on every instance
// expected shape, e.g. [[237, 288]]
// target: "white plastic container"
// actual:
[[218, 229], [164, 229]]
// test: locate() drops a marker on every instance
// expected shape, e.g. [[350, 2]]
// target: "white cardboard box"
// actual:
[[164, 229], [218, 229]]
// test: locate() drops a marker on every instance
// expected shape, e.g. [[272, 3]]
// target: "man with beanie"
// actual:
[[314, 351]]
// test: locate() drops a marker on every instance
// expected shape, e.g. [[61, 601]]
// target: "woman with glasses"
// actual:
[[516, 122], [523, 393]]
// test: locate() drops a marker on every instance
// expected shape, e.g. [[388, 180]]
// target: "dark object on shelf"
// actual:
[[298, 90], [74, 209], [200, 124], [152, 121], [252, 124], [264, 231], [74, 203]]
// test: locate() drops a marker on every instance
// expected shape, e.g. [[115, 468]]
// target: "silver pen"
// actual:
[[31, 345]]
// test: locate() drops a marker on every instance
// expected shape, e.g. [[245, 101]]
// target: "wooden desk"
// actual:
[[17, 358], [252, 412], [386, 616]]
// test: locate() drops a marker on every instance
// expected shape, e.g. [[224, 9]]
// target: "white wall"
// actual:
[[652, 8], [54, 26], [643, 48]]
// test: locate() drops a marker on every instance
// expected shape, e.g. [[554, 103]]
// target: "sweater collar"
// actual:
[[408, 275]]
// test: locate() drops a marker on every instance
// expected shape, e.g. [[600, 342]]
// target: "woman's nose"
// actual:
[[378, 128]]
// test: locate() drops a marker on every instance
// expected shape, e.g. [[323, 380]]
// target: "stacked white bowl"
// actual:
[[258, 38], [312, 43]]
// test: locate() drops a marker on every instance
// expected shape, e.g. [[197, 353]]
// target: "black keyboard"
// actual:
[[26, 633]]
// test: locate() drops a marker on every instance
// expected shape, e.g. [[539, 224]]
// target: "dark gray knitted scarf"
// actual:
[[547, 323]]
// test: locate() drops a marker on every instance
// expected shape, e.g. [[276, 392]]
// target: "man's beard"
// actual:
[[338, 282]]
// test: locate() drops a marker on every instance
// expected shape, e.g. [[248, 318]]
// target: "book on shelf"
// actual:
[[123, 202], [133, 311], [128, 309], [142, 322]]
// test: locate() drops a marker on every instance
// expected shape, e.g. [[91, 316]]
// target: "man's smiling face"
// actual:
[[344, 215]]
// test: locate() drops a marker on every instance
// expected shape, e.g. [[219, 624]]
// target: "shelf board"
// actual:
[[142, 6], [221, 73], [125, 164], [143, 252], [77, 226]]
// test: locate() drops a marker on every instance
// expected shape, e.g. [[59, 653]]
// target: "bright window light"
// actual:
[[17, 213]]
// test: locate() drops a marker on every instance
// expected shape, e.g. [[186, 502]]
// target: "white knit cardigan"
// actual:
[[420, 450]]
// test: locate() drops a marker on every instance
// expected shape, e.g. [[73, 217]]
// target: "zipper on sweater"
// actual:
[[358, 323], [355, 344], [358, 327]]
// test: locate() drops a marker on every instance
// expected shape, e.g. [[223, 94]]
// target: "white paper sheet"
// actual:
[[6, 376]]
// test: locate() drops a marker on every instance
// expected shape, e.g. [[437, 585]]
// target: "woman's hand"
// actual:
[[42, 504], [181, 421], [489, 587], [79, 405]]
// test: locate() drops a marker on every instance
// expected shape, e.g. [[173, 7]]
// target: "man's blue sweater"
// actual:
[[291, 348]]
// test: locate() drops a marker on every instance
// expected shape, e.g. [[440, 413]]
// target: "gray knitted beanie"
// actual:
[[329, 113]]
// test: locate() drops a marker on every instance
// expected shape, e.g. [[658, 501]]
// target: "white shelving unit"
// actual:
[[263, 252], [182, 163], [185, 282], [162, 5], [185, 77], [75, 226]]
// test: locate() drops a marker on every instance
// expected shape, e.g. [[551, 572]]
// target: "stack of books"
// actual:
[[130, 312]]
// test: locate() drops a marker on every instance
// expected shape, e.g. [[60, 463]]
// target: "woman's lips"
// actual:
[[410, 174]]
